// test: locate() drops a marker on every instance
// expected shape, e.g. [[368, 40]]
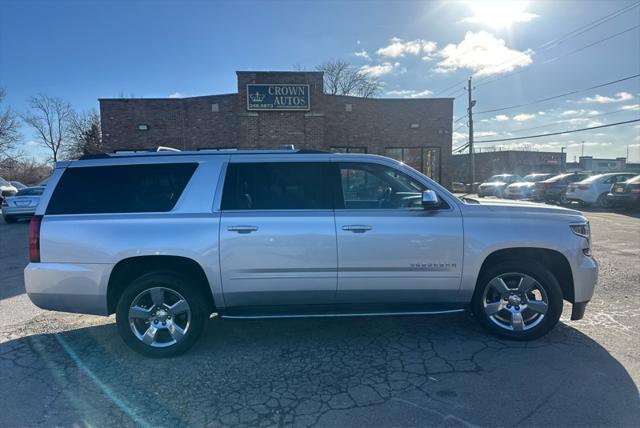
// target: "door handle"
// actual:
[[242, 229], [357, 228]]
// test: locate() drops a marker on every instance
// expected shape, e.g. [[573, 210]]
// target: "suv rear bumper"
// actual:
[[67, 287]]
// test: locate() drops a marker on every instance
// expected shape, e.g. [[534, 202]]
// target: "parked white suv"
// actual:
[[166, 239]]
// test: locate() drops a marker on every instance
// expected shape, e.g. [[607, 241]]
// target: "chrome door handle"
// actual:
[[242, 229], [357, 228]]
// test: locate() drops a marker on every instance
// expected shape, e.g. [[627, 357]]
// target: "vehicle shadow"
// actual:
[[401, 371]]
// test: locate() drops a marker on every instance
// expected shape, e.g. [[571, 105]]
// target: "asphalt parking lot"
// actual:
[[64, 369]]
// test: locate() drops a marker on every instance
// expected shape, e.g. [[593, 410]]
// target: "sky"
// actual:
[[517, 53]]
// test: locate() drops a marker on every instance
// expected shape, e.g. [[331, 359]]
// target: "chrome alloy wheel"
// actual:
[[159, 317], [515, 301]]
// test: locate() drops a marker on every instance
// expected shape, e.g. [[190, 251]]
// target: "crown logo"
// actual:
[[257, 97]]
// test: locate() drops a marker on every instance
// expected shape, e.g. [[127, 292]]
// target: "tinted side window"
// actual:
[[277, 186], [371, 186], [120, 189]]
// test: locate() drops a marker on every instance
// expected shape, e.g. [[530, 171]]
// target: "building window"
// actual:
[[424, 159], [336, 149]]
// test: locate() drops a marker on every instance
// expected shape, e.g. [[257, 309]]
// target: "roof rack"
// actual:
[[169, 151]]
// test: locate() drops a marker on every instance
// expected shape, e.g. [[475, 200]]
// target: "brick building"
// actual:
[[518, 162], [273, 109]]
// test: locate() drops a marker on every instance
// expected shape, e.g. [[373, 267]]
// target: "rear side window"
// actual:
[[120, 189], [277, 186]]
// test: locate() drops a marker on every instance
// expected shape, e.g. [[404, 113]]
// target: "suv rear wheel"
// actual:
[[519, 300], [160, 315]]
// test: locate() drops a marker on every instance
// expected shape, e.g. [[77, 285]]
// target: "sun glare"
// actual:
[[499, 14]]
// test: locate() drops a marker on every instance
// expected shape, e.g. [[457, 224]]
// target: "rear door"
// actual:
[[277, 234], [391, 250]]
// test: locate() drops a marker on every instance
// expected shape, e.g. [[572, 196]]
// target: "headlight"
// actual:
[[583, 229]]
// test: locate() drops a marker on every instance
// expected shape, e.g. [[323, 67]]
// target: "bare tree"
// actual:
[[341, 78], [51, 119], [9, 134], [85, 135]]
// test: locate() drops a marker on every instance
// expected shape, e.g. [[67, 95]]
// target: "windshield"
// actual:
[[501, 177], [4, 182], [634, 180], [534, 178], [30, 191], [593, 178]]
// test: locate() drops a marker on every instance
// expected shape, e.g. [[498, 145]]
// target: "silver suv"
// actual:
[[165, 239]]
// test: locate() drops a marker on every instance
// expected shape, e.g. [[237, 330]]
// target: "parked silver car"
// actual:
[[594, 190], [525, 189], [22, 205], [165, 239], [496, 184], [6, 189]]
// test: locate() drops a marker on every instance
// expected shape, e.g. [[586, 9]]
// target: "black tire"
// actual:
[[177, 283], [544, 278], [603, 201], [562, 199], [10, 219]]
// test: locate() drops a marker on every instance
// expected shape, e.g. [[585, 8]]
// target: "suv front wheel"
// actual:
[[518, 300], [160, 315]]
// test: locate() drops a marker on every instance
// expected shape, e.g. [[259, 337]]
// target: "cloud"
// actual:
[[499, 14], [459, 137], [501, 118], [483, 54], [484, 134], [581, 112], [379, 69], [363, 54], [398, 48], [574, 120], [590, 144], [176, 95], [410, 93], [600, 99], [633, 107], [523, 117]]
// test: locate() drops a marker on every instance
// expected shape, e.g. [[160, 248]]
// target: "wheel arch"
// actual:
[[553, 260], [130, 268]]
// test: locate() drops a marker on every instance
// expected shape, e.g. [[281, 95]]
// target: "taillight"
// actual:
[[34, 238], [634, 188]]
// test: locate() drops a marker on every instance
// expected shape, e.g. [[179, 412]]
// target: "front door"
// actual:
[[277, 235], [391, 250]]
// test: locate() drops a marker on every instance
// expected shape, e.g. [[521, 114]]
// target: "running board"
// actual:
[[340, 315]]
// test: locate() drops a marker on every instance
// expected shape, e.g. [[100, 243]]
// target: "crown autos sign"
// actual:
[[277, 97]]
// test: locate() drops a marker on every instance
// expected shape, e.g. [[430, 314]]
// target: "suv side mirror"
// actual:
[[430, 200]]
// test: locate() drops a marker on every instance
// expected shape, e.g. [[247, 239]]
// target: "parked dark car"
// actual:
[[555, 188], [626, 193]]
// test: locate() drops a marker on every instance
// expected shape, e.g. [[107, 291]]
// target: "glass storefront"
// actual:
[[424, 159]]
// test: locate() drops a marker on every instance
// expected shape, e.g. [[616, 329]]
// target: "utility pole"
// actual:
[[471, 150], [562, 159], [582, 155]]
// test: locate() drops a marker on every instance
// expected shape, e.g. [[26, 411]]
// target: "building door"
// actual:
[[277, 234], [391, 250]]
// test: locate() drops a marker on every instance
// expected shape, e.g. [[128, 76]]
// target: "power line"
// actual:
[[555, 42], [560, 122], [558, 133], [504, 76], [460, 118], [558, 96]]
